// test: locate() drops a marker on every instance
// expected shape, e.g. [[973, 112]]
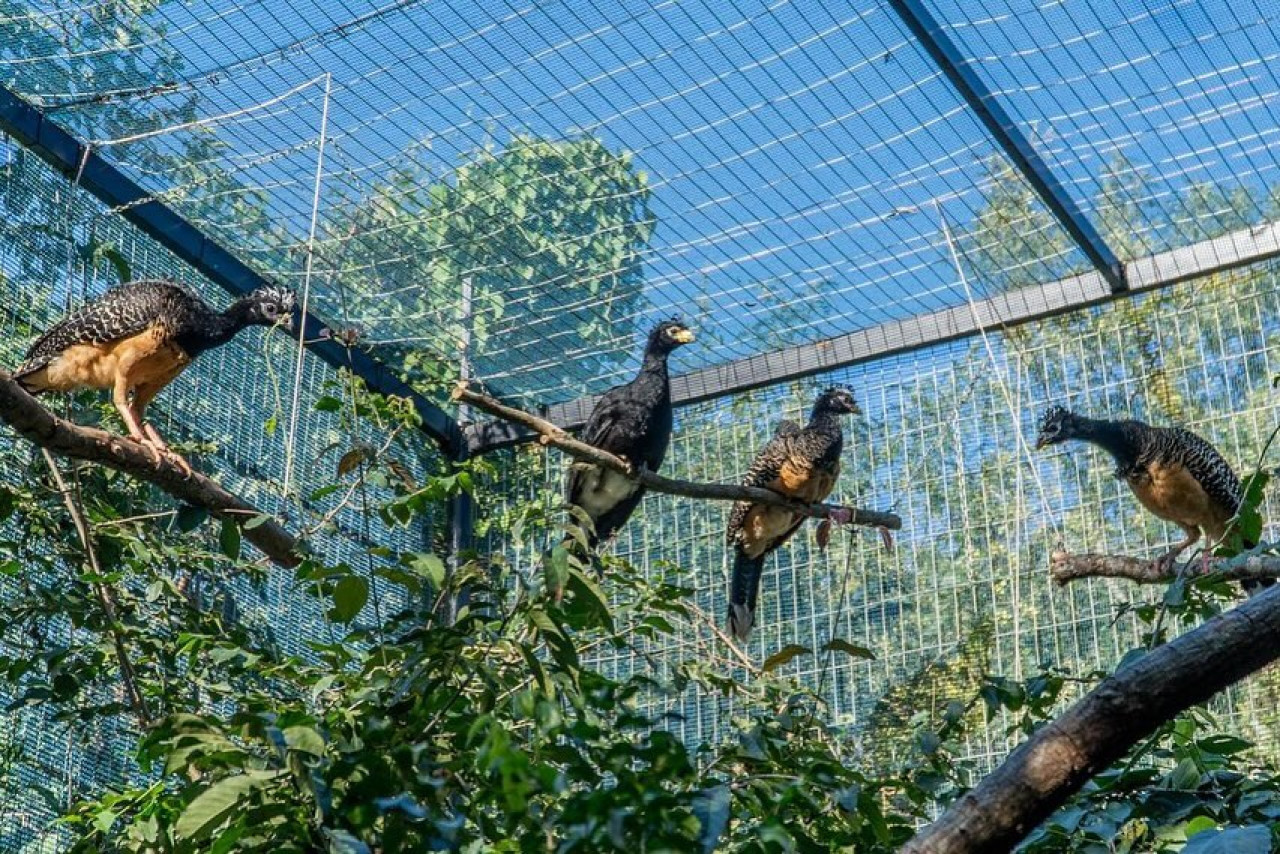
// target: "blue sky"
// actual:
[[796, 149]]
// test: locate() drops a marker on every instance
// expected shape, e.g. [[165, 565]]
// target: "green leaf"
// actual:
[[1251, 839], [189, 517], [304, 739], [229, 539], [429, 567], [711, 807], [213, 806], [349, 597], [103, 820], [783, 655], [1185, 776], [851, 649], [327, 404], [557, 568], [588, 597]]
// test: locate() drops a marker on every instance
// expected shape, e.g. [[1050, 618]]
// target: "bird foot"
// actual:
[[840, 515], [1166, 562], [161, 452], [886, 537]]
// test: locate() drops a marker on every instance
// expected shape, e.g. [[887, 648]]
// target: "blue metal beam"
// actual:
[[31, 128], [1006, 133]]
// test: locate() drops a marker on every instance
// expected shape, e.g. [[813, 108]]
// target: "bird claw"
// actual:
[[160, 453], [181, 462], [1166, 562], [840, 515]]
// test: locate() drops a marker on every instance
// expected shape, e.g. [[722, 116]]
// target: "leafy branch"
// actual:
[[25, 415]]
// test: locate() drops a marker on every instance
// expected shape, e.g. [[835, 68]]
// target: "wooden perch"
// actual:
[[25, 415], [1065, 568], [1124, 709], [550, 434]]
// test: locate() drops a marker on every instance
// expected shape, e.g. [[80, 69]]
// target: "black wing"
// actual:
[[764, 470], [1209, 469], [120, 312]]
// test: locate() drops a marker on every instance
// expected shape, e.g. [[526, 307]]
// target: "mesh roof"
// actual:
[[798, 157]]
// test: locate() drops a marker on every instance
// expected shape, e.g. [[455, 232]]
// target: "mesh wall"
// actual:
[[946, 442], [226, 397]]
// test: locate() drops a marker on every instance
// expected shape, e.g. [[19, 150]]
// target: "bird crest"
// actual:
[[283, 297]]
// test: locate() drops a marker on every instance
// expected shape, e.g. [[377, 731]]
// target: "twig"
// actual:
[[106, 598], [550, 434], [1065, 568], [25, 415]]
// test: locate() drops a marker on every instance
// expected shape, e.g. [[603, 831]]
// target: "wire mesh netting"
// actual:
[[237, 398], [766, 166], [946, 442], [531, 185]]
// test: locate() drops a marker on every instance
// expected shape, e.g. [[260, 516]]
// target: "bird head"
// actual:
[[838, 400], [1058, 425], [271, 305], [668, 335]]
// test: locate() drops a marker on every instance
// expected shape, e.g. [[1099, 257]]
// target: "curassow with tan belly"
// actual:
[[1174, 473], [135, 339], [801, 463]]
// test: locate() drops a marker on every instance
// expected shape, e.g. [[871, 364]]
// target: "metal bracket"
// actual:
[[1017, 147]]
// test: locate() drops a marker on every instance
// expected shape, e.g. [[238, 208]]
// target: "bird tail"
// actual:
[[744, 588], [1254, 586], [32, 378]]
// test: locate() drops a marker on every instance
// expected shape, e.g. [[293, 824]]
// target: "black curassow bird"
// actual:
[[801, 463], [1174, 473], [135, 339], [632, 421]]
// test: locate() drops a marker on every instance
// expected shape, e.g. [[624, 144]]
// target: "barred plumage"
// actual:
[[1174, 473], [802, 463], [632, 421], [135, 339]]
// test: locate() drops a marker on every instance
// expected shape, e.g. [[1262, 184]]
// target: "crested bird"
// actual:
[[135, 339], [1175, 474], [632, 421], [801, 463]]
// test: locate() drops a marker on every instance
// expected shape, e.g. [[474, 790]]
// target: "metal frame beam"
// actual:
[[1017, 147], [1015, 307], [26, 124]]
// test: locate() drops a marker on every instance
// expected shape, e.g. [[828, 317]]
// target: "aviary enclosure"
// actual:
[[366, 624]]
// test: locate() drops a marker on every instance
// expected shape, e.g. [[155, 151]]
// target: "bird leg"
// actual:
[[156, 442], [120, 397], [840, 515], [1166, 561]]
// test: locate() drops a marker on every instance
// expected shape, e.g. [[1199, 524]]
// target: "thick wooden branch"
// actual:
[[550, 434], [31, 420], [1065, 568], [1124, 709]]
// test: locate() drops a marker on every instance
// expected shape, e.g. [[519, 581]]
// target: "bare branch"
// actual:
[[1125, 708], [25, 415], [1065, 568], [550, 434], [106, 597]]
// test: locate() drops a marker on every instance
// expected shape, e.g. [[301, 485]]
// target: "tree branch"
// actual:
[[31, 420], [1125, 708], [550, 434], [106, 598], [1065, 568]]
